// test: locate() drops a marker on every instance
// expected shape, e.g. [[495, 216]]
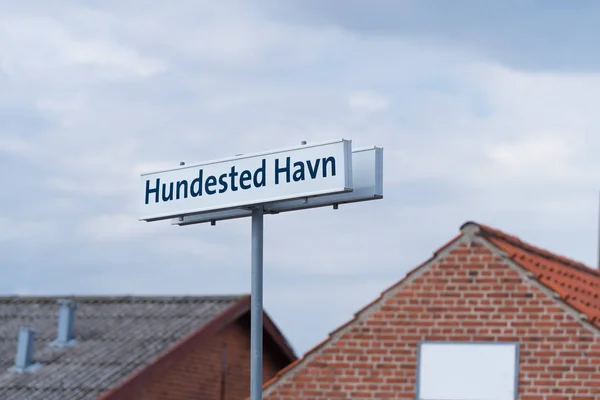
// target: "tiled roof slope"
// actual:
[[577, 284], [117, 336]]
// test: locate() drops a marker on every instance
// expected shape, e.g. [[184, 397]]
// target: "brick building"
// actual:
[[482, 288], [131, 348]]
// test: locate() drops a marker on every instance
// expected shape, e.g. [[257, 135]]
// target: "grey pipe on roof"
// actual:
[[24, 361], [65, 335]]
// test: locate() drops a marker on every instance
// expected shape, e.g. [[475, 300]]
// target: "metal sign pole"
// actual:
[[256, 306]]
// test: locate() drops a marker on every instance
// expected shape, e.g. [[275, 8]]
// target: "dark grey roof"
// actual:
[[116, 336]]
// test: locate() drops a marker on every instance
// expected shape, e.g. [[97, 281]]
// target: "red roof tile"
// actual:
[[577, 284]]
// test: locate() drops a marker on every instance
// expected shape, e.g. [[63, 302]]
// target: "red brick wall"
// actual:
[[467, 296], [198, 375]]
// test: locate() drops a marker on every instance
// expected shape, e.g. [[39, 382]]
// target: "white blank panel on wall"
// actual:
[[467, 371]]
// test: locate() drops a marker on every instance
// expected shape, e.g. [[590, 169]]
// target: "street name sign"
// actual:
[[248, 180], [367, 176]]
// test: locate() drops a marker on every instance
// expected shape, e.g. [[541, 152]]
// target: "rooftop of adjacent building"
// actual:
[[115, 338]]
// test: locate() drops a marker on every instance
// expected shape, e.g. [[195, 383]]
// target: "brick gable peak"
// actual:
[[476, 229], [464, 239]]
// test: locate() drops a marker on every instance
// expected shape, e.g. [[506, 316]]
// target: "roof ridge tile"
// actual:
[[489, 231], [43, 299]]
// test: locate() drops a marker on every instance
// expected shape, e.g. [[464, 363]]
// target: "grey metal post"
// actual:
[[256, 306]]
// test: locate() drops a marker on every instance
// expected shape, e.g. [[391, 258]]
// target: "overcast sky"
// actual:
[[487, 111]]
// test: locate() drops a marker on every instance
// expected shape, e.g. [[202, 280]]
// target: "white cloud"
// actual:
[[232, 35], [90, 188], [71, 110], [36, 44], [15, 229], [367, 101], [14, 145], [210, 253], [535, 157], [115, 228]]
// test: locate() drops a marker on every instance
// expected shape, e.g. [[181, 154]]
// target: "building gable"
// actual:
[[469, 291], [217, 367], [176, 373]]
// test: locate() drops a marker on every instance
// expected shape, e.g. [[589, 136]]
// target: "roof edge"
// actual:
[[533, 280], [117, 298], [282, 343], [484, 230]]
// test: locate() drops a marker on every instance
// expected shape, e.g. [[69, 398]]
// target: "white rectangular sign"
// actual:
[[367, 175], [298, 172], [468, 371]]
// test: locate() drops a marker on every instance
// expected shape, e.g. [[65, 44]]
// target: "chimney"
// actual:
[[24, 358], [66, 317]]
